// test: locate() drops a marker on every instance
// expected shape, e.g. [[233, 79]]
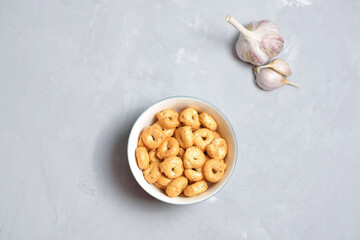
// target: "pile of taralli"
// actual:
[[186, 163]]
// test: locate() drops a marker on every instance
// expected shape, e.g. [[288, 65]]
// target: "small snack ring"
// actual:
[[181, 153], [152, 172], [185, 136], [217, 149], [195, 189], [152, 137], [194, 174], [158, 185], [142, 157], [172, 167], [190, 117], [168, 118], [214, 170], [175, 188], [203, 137], [193, 158], [164, 181], [169, 132], [169, 147], [216, 134], [152, 156], [140, 142], [208, 121]]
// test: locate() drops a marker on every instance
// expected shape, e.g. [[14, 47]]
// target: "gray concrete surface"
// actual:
[[75, 75]]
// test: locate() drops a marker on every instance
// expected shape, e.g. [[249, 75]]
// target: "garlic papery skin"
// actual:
[[279, 65], [268, 79], [258, 41]]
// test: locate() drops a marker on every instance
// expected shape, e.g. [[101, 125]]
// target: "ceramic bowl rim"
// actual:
[[227, 121]]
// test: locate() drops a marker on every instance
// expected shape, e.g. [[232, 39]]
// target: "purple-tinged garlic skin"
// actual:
[[269, 79], [280, 66], [258, 42], [272, 42]]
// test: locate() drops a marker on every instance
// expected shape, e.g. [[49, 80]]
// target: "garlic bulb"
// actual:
[[269, 79], [279, 65], [258, 42]]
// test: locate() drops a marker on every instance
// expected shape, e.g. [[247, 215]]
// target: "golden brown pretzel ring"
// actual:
[[217, 149], [195, 189], [175, 188], [168, 131], [190, 117], [194, 174], [152, 172], [142, 157], [207, 121], [168, 118], [181, 153], [164, 181], [203, 137], [214, 170], [152, 137], [185, 136], [216, 134], [172, 167], [140, 142], [152, 156], [194, 158], [169, 147]]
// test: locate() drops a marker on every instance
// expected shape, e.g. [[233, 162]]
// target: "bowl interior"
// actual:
[[178, 104]]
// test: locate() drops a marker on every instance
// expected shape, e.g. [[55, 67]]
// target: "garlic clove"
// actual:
[[280, 66], [258, 42], [268, 79]]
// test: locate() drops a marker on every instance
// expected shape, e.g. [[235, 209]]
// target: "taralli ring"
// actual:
[[181, 153], [216, 134], [164, 181], [152, 172], [214, 170], [207, 121], [190, 117], [168, 131], [158, 185], [142, 157], [194, 174], [194, 158], [168, 118], [152, 137], [195, 189], [152, 156], [176, 187], [140, 142], [185, 136], [217, 149], [203, 137], [172, 167], [168, 148]]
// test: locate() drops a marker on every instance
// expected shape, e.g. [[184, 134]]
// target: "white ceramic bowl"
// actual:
[[179, 103]]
